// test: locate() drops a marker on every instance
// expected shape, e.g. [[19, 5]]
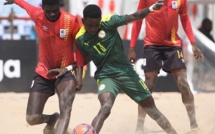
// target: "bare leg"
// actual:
[[150, 81], [34, 116], [150, 108], [66, 93], [49, 128], [140, 120], [180, 77], [106, 101]]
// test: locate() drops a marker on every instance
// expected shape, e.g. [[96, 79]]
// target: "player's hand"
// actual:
[[57, 72], [79, 85], [79, 82], [197, 53], [8, 2], [132, 55], [158, 5]]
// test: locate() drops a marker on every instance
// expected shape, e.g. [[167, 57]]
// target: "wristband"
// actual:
[[151, 8], [69, 68]]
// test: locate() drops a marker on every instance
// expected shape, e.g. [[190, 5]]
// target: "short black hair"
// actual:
[[92, 11], [206, 21], [50, 2]]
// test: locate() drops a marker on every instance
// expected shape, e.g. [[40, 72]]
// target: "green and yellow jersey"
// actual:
[[105, 48]]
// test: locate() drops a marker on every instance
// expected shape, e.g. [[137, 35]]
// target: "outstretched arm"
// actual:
[[30, 9], [141, 14], [8, 2]]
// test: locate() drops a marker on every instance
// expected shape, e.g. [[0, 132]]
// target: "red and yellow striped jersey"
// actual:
[[162, 25], [56, 39]]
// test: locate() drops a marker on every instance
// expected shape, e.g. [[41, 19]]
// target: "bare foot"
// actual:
[[195, 131], [49, 128], [193, 125], [139, 128], [139, 132]]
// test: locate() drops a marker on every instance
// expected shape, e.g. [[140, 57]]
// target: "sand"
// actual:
[[122, 119]]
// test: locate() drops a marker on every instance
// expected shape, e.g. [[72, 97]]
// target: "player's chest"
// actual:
[[97, 46], [168, 4], [58, 31]]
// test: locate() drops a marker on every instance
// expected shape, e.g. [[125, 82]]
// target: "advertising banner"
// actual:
[[17, 63], [18, 60]]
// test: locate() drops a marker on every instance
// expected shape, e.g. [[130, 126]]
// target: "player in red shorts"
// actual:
[[162, 49], [57, 30]]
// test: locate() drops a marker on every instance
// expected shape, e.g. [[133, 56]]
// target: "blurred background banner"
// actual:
[[21, 26], [197, 10], [17, 63], [18, 35], [18, 60]]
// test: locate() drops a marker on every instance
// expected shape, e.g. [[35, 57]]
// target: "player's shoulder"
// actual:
[[183, 2], [63, 12], [38, 12], [80, 35], [107, 17], [67, 16]]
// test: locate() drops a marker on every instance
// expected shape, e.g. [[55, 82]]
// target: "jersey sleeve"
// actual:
[[79, 57], [30, 9], [86, 57], [113, 21], [185, 21], [136, 26], [76, 25]]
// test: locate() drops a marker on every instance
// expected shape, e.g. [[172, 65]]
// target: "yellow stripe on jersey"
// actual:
[[183, 14], [173, 35], [67, 25], [63, 61], [179, 5], [106, 17], [83, 30], [80, 32]]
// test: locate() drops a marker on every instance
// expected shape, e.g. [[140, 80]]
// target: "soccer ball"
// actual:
[[84, 128]]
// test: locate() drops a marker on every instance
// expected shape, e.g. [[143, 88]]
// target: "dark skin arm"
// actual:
[[58, 72], [8, 2], [79, 78], [198, 55], [141, 14]]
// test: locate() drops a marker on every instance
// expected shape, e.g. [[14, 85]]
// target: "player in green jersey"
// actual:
[[99, 40]]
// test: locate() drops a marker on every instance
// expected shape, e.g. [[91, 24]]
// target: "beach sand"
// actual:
[[122, 119]]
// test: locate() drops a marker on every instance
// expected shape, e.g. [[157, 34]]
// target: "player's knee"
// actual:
[[151, 86], [106, 109], [67, 102], [183, 85], [33, 119]]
